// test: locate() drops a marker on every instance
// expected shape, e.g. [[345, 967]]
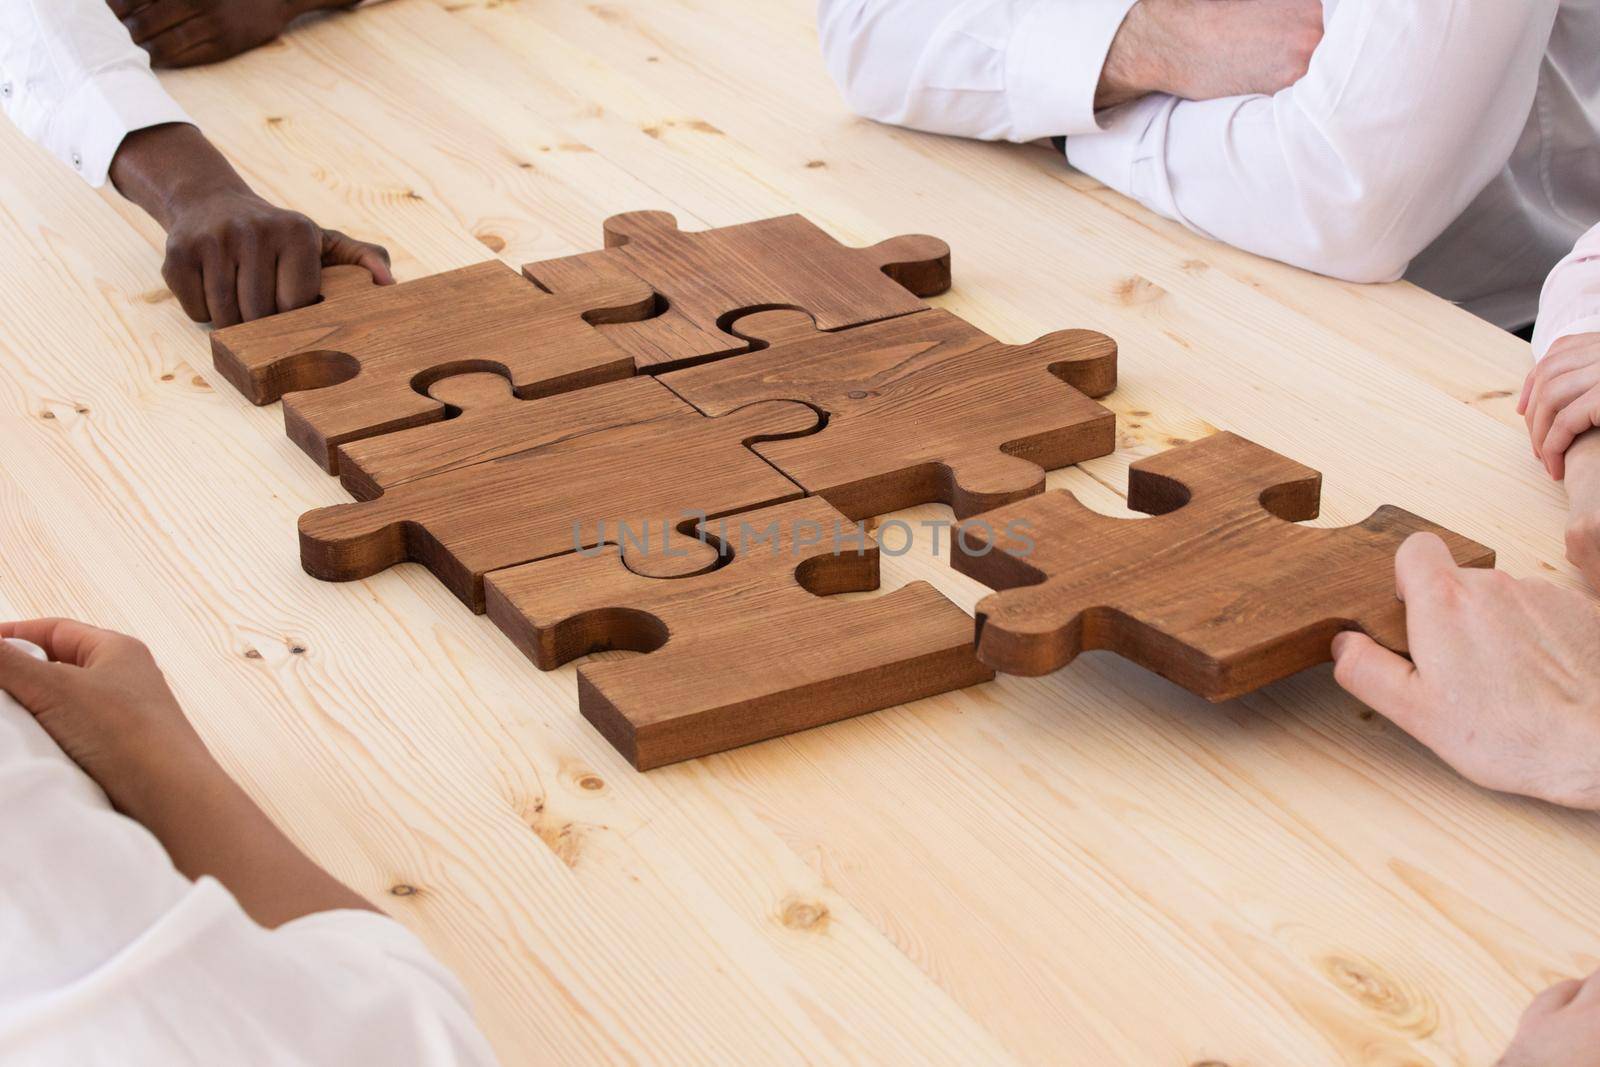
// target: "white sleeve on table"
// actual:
[[109, 956], [73, 80], [1408, 110], [997, 70], [1570, 303]]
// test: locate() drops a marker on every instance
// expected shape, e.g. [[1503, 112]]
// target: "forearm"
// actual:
[[210, 826], [163, 167], [1204, 49], [1405, 113]]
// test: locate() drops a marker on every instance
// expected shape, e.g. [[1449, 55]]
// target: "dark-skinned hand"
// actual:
[[186, 33]]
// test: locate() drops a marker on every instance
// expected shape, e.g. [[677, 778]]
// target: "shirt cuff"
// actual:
[[1053, 65], [91, 123]]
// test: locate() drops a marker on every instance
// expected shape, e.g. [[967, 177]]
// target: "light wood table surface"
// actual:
[[1090, 868]]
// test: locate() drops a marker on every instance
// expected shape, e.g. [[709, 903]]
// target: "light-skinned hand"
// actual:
[[1561, 1028], [1583, 505], [1202, 49], [1561, 399], [1504, 679]]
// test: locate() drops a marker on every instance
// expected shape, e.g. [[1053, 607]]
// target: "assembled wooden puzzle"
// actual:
[[671, 445]]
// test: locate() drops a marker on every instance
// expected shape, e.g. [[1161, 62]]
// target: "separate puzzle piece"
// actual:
[[626, 461], [1220, 592], [359, 363], [752, 650], [920, 408], [706, 279]]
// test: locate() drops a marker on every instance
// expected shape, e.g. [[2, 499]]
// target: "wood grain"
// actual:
[[1220, 592], [708, 278], [360, 362], [989, 876], [752, 650], [625, 461], [920, 409]]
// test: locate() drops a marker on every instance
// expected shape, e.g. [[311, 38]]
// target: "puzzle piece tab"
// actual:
[[1220, 592], [920, 408], [359, 363], [752, 650], [708, 278], [531, 479]]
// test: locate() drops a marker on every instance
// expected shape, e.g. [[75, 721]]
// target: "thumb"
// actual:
[[33, 682], [340, 248], [1380, 679]]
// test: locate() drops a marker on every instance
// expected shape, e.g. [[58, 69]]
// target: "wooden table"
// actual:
[[1090, 868]]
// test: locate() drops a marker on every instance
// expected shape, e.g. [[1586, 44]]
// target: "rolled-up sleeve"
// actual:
[[73, 80], [997, 70], [1570, 303]]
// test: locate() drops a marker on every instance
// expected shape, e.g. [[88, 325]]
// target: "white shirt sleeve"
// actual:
[[998, 70], [1407, 112], [1570, 303], [73, 80], [109, 956]]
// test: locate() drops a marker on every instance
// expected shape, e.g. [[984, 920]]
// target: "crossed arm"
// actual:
[[1404, 112]]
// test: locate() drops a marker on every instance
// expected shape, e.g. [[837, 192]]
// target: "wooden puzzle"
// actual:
[[707, 279], [569, 448], [360, 362], [633, 462], [920, 408], [1220, 592], [756, 648]]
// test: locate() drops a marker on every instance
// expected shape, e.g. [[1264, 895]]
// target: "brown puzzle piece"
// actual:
[[1220, 592], [624, 454], [746, 652], [920, 408], [359, 363], [706, 279]]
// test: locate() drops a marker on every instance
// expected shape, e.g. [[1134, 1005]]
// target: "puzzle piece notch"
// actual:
[[359, 363], [749, 651], [705, 279], [656, 466], [920, 408], [1219, 592]]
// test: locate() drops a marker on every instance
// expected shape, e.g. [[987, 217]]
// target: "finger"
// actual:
[[186, 44], [124, 8], [32, 682], [339, 248], [1575, 420], [258, 281], [220, 278], [63, 640], [1553, 999], [1380, 679], [1527, 391], [299, 272], [183, 276], [157, 18], [1423, 566], [1553, 399]]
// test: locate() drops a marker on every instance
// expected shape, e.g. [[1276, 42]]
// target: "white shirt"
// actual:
[[108, 956], [1571, 300], [73, 80], [1456, 142]]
